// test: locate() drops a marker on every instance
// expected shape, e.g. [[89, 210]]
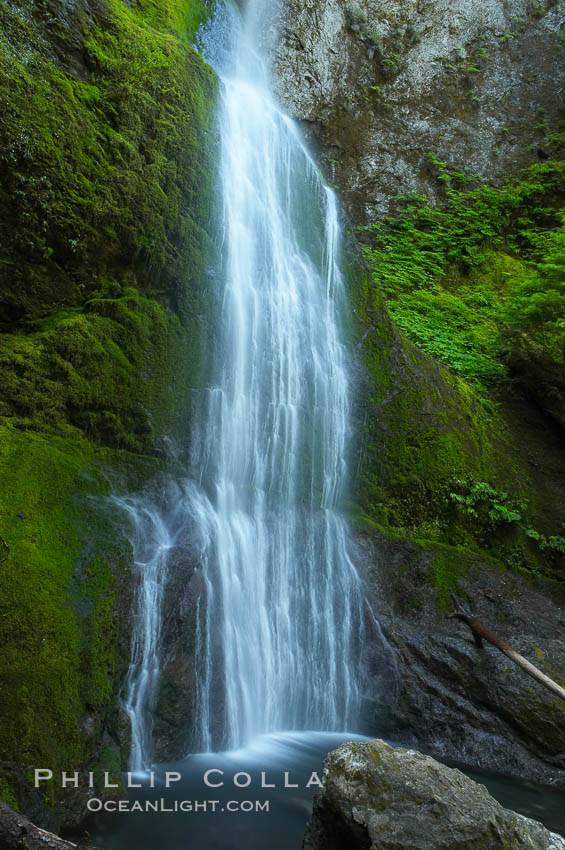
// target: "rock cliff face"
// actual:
[[377, 85], [175, 702], [446, 696], [382, 798]]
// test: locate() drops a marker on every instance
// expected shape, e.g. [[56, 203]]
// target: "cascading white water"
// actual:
[[151, 543], [154, 532], [281, 618]]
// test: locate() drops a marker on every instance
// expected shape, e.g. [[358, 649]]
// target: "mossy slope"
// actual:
[[421, 423], [104, 166], [59, 634], [444, 455], [435, 463], [107, 174]]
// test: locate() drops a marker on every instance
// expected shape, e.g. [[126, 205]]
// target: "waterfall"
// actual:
[[154, 531], [151, 542], [280, 617], [280, 613]]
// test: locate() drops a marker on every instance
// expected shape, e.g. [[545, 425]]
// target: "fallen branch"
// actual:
[[6, 547], [481, 632]]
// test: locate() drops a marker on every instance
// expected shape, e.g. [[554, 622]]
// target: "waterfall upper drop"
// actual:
[[280, 617]]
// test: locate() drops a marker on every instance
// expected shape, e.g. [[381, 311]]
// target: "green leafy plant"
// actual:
[[533, 311], [480, 277], [392, 60], [555, 542], [483, 502]]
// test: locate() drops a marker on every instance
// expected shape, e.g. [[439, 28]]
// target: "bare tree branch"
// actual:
[[480, 632]]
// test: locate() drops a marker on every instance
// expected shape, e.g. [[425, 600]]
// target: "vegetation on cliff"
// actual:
[[103, 153], [466, 400], [107, 145], [476, 282]]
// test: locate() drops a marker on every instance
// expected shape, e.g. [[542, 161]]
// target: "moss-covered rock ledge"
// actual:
[[107, 175]]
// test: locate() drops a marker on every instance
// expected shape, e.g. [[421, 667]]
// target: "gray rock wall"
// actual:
[[449, 698], [378, 85]]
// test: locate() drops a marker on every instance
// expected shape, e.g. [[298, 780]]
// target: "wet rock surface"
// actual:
[[176, 701], [384, 798], [175, 696], [446, 696]]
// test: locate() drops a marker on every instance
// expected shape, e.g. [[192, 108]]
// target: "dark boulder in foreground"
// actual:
[[376, 797], [19, 833]]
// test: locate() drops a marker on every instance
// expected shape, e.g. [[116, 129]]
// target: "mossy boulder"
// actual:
[[379, 797]]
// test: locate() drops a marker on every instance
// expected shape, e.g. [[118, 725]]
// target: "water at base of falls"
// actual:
[[232, 818], [226, 817]]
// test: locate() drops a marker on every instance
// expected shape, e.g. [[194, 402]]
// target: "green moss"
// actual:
[[65, 598], [100, 634], [40, 507], [107, 771], [451, 274], [118, 369], [422, 427], [429, 415], [427, 570], [6, 794], [103, 166], [107, 174], [446, 568]]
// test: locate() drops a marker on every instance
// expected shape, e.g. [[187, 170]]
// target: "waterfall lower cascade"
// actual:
[[151, 544], [154, 532], [280, 621]]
